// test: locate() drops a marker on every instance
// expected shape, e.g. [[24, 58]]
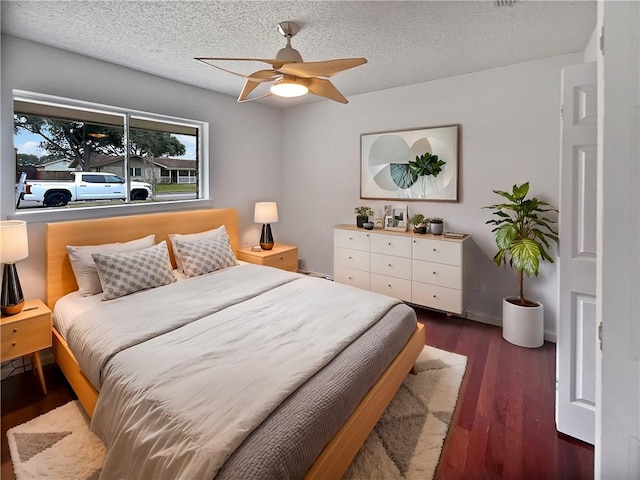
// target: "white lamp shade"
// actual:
[[14, 243], [266, 212]]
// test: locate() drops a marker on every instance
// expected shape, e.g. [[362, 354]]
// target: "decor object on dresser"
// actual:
[[426, 270], [418, 221], [396, 218], [291, 76], [418, 164], [523, 233], [436, 225], [280, 256], [14, 246], [363, 213], [27, 332], [266, 213]]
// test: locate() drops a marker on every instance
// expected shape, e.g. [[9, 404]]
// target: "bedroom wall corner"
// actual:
[[510, 133], [244, 138]]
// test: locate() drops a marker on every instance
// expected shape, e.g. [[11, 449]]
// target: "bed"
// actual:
[[335, 454]]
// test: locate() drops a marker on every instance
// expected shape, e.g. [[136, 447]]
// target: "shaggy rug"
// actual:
[[405, 444]]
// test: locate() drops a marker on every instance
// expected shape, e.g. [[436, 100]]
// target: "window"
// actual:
[[158, 157]]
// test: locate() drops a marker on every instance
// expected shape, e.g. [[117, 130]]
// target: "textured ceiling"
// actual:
[[404, 42]]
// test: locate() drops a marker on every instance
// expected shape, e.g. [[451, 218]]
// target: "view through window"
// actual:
[[72, 154]]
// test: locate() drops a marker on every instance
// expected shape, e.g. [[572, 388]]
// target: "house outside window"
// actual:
[[54, 137]]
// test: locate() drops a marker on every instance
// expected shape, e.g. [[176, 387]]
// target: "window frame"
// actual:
[[204, 199]]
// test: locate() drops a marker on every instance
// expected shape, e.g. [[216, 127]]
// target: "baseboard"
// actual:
[[478, 317]]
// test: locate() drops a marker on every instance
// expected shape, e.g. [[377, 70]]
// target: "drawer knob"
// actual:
[[350, 258], [350, 278], [389, 243], [281, 258], [350, 238], [389, 285], [435, 296], [367, 234], [13, 344], [434, 250], [389, 265], [15, 330], [434, 273]]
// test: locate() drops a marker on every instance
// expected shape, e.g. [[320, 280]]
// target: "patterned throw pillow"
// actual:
[[84, 268], [192, 237], [205, 256], [129, 272]]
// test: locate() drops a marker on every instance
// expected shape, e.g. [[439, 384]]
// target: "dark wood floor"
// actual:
[[503, 427]]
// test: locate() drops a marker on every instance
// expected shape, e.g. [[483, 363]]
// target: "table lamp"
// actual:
[[266, 213], [14, 246]]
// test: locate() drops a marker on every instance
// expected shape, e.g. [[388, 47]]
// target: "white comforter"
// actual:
[[201, 363]]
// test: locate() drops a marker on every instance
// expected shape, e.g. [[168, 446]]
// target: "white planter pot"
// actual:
[[523, 326]]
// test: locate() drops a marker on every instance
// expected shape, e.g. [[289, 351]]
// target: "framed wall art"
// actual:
[[419, 164]]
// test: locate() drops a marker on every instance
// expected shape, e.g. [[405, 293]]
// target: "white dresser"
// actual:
[[425, 270]]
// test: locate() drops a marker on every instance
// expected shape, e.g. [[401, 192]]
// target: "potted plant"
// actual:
[[436, 225], [425, 165], [523, 233], [362, 215], [418, 222]]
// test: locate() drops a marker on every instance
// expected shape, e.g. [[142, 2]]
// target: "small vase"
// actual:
[[436, 228], [360, 221]]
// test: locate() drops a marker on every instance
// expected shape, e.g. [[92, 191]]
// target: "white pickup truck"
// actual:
[[82, 186]]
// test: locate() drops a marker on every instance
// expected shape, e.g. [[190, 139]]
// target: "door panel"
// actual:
[[576, 348]]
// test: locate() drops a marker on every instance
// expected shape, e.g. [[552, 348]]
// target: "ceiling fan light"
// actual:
[[288, 89]]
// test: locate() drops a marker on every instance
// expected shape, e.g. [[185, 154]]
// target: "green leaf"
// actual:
[[505, 236], [525, 255]]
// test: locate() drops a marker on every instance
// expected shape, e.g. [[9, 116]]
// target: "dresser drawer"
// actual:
[[441, 298], [394, 287], [26, 336], [389, 265], [439, 251], [391, 245], [346, 257], [349, 276], [351, 239], [437, 274]]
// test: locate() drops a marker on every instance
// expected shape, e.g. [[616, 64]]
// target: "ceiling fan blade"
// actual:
[[320, 69], [275, 63], [254, 80], [255, 98], [323, 88]]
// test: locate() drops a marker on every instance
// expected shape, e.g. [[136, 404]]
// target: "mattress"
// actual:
[[287, 441]]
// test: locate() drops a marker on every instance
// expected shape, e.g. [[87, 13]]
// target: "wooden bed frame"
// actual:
[[60, 280]]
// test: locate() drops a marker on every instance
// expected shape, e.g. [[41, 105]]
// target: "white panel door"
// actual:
[[577, 336]]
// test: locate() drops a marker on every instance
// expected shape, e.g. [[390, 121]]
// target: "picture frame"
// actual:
[[396, 217], [386, 172]]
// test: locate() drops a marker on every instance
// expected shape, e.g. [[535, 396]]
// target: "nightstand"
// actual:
[[27, 332], [280, 256]]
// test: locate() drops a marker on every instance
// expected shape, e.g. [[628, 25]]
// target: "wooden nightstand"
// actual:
[[27, 332], [280, 256]]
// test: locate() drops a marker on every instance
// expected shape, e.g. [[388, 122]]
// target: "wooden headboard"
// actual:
[[60, 279]]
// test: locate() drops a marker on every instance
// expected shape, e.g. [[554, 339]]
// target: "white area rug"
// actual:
[[405, 444]]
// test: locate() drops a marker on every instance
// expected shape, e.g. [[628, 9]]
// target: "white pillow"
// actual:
[[192, 237], [129, 272], [205, 256], [84, 267]]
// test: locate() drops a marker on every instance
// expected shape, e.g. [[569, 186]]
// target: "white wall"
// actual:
[[245, 139], [510, 133]]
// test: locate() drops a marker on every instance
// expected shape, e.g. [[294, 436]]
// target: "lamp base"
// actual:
[[12, 298], [266, 238]]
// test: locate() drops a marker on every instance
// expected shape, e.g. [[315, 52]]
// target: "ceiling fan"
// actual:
[[291, 76]]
